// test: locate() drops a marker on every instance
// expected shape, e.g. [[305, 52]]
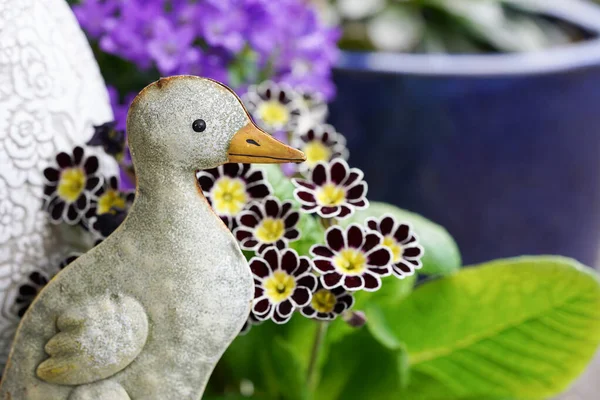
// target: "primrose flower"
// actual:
[[105, 224], [72, 257], [320, 143], [327, 304], [267, 223], [274, 107], [70, 186], [110, 139], [230, 187], [34, 283], [352, 258], [29, 290], [108, 200], [334, 190], [283, 281], [402, 242], [109, 197], [316, 104]]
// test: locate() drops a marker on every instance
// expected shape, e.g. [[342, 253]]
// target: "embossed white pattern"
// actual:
[[51, 93]]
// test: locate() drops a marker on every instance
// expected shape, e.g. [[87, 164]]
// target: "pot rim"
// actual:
[[567, 57]]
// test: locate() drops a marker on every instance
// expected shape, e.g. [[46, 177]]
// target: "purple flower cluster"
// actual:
[[282, 39]]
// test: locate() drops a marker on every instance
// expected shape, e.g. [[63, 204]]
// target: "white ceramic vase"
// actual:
[[51, 93]]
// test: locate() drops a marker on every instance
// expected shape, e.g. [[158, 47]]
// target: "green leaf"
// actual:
[[392, 292], [233, 397], [311, 232], [441, 252], [290, 373], [380, 329], [360, 368], [518, 328], [273, 357], [283, 188]]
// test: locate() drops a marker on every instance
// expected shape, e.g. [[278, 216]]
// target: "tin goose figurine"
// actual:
[[147, 313]]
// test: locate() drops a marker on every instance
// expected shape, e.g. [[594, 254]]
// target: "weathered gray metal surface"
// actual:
[[149, 311]]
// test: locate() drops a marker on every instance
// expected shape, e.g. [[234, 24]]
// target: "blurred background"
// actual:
[[483, 111], [480, 115]]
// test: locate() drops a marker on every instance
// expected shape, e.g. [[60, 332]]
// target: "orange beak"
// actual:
[[253, 145]]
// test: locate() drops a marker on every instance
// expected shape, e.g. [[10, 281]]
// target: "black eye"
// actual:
[[199, 125]]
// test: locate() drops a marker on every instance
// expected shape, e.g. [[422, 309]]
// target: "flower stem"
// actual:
[[311, 375]]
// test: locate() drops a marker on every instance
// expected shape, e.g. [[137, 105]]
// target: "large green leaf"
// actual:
[[518, 328], [392, 292], [441, 252]]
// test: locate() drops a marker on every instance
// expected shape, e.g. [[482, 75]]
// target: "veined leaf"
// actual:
[[518, 328]]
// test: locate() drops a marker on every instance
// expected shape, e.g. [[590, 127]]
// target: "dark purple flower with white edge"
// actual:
[[267, 223], [352, 258], [230, 187], [28, 291], [333, 190], [35, 282], [320, 143], [283, 281], [110, 139], [274, 107], [327, 304], [109, 208], [71, 186], [316, 104], [402, 241]]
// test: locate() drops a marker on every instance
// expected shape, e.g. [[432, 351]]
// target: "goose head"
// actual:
[[190, 123]]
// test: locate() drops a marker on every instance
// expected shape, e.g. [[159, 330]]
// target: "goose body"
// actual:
[[147, 313]]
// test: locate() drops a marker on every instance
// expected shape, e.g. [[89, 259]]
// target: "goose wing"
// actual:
[[95, 340]]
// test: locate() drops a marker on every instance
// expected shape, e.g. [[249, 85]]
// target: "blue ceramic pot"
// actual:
[[502, 150]]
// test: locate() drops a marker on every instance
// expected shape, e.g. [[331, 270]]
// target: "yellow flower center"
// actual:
[[316, 151], [323, 301], [109, 200], [71, 184], [273, 113], [331, 195], [279, 286], [270, 230], [394, 247], [229, 196], [350, 261]]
